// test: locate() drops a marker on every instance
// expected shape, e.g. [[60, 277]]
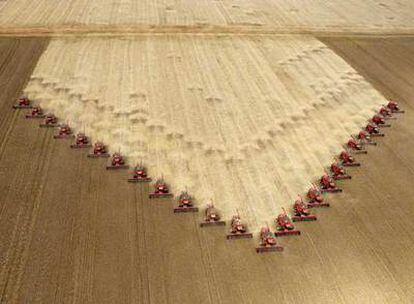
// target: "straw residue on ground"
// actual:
[[246, 122]]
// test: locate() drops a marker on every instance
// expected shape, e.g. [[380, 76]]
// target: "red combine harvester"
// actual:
[[365, 138], [338, 173], [328, 184], [82, 141], [394, 107], [284, 225], [348, 160], [160, 190], [23, 103], [64, 132], [373, 130], [139, 175], [315, 197], [238, 229], [36, 112], [185, 203], [99, 150], [386, 113], [355, 146], [212, 217], [302, 213], [49, 122], [117, 162], [380, 121], [268, 241]]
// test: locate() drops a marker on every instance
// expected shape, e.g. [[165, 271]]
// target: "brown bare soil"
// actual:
[[70, 232]]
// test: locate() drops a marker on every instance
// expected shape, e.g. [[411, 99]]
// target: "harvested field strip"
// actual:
[[218, 115], [142, 31], [260, 15]]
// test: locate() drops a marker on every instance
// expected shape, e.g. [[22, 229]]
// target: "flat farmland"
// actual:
[[73, 233], [25, 17], [218, 116]]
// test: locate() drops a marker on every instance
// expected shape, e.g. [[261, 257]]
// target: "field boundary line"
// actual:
[[113, 31]]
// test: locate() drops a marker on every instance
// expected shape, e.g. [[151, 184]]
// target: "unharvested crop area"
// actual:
[[73, 233], [247, 122], [103, 16]]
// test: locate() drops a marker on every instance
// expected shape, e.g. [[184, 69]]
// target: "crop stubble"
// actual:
[[215, 115]]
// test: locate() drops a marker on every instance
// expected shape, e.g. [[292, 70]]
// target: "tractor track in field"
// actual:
[[72, 232], [90, 31]]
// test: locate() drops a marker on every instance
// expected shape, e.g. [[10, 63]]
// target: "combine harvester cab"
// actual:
[[161, 190], [117, 162], [36, 113], [394, 107], [50, 121], [238, 229], [139, 175], [64, 132], [185, 203], [328, 184], [268, 242], [212, 217], [379, 120], [355, 146], [23, 103], [316, 198], [347, 160], [284, 225], [338, 172], [99, 150], [373, 130], [386, 113], [365, 138], [301, 212], [81, 142]]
